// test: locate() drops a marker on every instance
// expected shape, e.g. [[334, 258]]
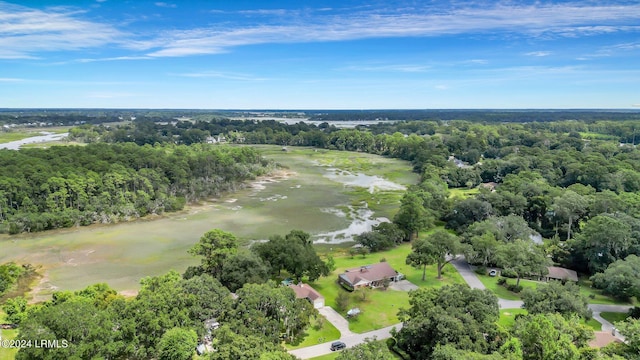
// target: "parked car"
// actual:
[[493, 272], [338, 345]]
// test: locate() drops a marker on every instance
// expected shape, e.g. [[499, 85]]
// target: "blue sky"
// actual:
[[299, 54]]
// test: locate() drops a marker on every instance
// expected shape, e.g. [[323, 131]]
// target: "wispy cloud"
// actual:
[[11, 80], [25, 31], [539, 53], [542, 20], [117, 58], [612, 50], [165, 5], [222, 75], [408, 68], [111, 95]]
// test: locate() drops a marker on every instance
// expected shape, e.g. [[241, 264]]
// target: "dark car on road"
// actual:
[[338, 345]]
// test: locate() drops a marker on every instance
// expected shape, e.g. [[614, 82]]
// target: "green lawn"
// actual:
[[492, 284], [508, 317], [315, 336], [381, 308], [613, 317], [7, 354], [595, 296], [331, 356], [463, 193]]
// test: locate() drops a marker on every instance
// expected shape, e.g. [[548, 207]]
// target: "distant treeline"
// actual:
[[58, 117], [477, 115], [63, 186]]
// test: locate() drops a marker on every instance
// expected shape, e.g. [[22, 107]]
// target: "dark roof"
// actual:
[[304, 291], [560, 273], [369, 273]]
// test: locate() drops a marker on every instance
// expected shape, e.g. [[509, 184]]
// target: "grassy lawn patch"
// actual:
[[595, 296], [379, 310], [491, 283], [508, 317], [592, 323], [613, 317], [331, 356], [316, 334], [462, 193], [7, 354]]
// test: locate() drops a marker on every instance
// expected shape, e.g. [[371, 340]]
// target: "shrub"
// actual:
[[514, 288], [634, 312], [502, 281], [509, 273], [481, 270]]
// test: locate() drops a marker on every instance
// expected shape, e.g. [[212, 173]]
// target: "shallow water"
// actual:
[[372, 183]]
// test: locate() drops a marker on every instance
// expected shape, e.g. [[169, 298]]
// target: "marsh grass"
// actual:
[[121, 254]]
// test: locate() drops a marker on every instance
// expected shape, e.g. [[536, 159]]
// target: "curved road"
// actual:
[[351, 339]]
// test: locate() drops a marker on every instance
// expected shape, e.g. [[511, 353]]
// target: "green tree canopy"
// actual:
[[554, 297], [457, 315], [177, 344], [215, 247], [621, 279], [522, 257], [439, 247]]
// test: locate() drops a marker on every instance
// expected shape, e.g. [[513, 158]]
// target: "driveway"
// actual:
[[467, 273], [403, 285], [336, 320]]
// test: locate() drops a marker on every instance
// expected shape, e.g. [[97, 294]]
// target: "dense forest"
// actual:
[[65, 186]]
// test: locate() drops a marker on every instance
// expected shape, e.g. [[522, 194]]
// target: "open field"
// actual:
[[300, 196]]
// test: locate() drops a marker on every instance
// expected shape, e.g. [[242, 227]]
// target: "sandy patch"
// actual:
[[128, 293]]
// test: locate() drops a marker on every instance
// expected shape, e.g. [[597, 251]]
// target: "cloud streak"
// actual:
[[556, 20], [222, 75], [25, 31]]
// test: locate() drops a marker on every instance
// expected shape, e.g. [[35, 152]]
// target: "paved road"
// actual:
[[351, 340], [461, 265]]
